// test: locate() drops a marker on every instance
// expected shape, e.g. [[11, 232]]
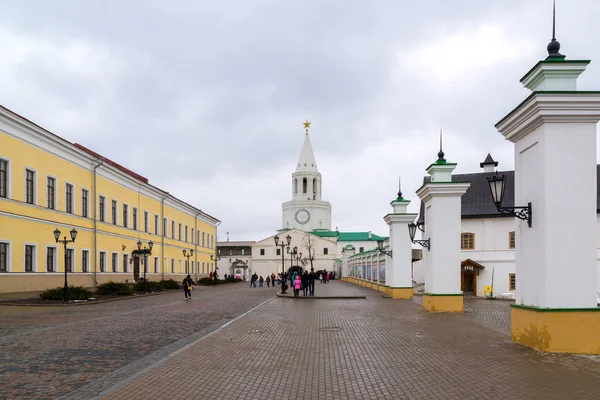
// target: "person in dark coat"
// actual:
[[311, 282], [187, 287], [305, 283]]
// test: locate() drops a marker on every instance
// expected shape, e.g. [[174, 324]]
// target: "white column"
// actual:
[[442, 199], [398, 266]]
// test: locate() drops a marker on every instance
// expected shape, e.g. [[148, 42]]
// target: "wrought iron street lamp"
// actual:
[[497, 186], [381, 249], [216, 259], [187, 254], [283, 244], [412, 230], [65, 241], [145, 251]]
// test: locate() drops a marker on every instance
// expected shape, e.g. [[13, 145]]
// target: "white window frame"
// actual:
[[100, 262], [87, 203], [165, 227], [34, 258], [135, 219], [192, 241], [55, 192], [156, 224], [180, 266], [35, 185], [146, 221], [125, 223], [172, 265], [55, 266], [73, 202], [9, 177], [173, 225], [116, 220], [125, 261], [88, 260], [202, 266], [100, 217], [9, 255], [203, 237], [112, 258], [73, 259], [156, 266]]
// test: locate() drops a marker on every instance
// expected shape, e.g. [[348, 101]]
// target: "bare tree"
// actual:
[[310, 243]]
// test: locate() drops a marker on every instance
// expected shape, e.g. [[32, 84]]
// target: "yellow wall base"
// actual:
[[557, 330], [401, 293], [443, 303]]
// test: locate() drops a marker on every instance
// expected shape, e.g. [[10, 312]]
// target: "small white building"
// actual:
[[487, 238]]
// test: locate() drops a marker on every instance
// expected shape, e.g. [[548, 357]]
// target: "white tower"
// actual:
[[306, 211]]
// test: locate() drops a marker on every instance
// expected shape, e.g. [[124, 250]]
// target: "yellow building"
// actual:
[[47, 182]]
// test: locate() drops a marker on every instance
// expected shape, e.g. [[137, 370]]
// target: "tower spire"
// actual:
[[306, 125], [399, 189], [554, 46], [441, 152]]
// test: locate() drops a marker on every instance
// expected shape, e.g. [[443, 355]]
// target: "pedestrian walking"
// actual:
[[297, 286], [327, 277], [268, 281], [260, 281], [187, 287], [305, 283], [312, 277]]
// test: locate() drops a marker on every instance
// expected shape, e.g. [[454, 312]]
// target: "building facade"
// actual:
[[47, 183]]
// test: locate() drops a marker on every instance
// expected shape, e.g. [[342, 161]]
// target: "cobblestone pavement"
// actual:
[[51, 352], [375, 348], [332, 289]]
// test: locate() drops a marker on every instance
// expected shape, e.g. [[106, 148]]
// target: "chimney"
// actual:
[[370, 235], [489, 164]]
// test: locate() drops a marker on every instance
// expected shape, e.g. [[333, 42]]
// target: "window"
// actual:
[[186, 234], [69, 198], [304, 185], [164, 227], [203, 242], [156, 224], [125, 215], [202, 266], [156, 265], [125, 262], [325, 251], [51, 193], [115, 262], [114, 212], [512, 282], [50, 259], [467, 241], [361, 249], [262, 252], [85, 260], [192, 241], [69, 260], [179, 237], [3, 178], [295, 186], [146, 221], [102, 261], [278, 252], [3, 257], [511, 240], [29, 257], [30, 186], [172, 265], [85, 195], [102, 208], [135, 219], [172, 229]]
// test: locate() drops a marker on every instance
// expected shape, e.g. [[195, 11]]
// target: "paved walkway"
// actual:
[[333, 289], [376, 348]]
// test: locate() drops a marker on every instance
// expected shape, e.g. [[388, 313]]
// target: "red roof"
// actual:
[[114, 164]]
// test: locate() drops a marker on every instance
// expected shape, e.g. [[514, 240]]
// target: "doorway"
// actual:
[[469, 283], [136, 269]]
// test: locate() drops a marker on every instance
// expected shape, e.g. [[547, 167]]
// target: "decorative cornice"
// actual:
[[445, 189], [393, 217]]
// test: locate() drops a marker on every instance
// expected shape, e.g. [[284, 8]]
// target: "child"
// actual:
[[297, 286]]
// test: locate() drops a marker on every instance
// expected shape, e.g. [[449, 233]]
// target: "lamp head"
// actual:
[[73, 234], [56, 234]]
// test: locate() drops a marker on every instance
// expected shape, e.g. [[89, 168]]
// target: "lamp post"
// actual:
[[65, 241], [288, 240], [292, 253], [216, 260], [188, 254], [381, 250], [412, 230], [298, 258], [143, 250], [497, 185]]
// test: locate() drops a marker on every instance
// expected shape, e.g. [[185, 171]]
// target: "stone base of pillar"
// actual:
[[401, 293], [434, 302], [556, 330]]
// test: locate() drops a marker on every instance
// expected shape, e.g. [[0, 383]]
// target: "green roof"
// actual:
[[348, 236]]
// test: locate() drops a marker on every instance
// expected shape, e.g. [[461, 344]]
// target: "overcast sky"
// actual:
[[207, 98]]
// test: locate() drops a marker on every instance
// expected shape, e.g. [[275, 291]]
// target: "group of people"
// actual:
[[271, 279]]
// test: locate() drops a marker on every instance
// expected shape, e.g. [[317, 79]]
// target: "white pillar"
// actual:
[[398, 270], [554, 132], [442, 198]]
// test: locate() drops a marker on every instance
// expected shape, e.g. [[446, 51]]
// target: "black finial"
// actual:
[[399, 189], [441, 152], [554, 46]]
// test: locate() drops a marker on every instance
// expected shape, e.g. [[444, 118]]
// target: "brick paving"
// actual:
[[375, 348], [51, 352]]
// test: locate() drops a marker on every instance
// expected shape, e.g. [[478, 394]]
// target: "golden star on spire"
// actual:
[[306, 125]]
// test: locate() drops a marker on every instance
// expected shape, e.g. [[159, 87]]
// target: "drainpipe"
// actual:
[[95, 224], [216, 258], [162, 234], [195, 244]]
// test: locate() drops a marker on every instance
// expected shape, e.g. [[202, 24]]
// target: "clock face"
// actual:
[[302, 216]]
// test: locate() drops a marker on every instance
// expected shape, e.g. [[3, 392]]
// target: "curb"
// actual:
[[286, 296], [85, 303]]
